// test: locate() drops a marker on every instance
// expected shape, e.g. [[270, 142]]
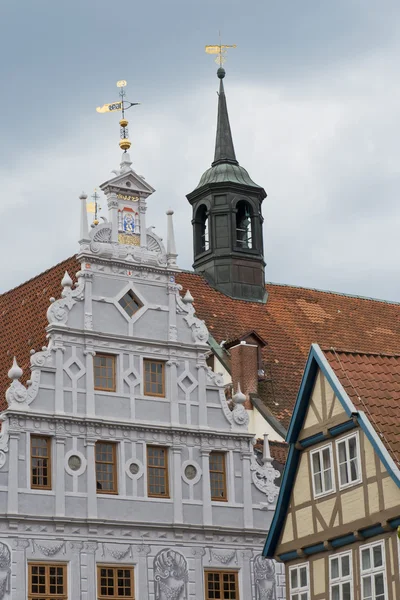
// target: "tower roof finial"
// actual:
[[224, 149], [121, 105]]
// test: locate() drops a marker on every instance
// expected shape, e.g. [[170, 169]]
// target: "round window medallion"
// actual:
[[134, 468], [190, 472], [128, 184], [74, 462]]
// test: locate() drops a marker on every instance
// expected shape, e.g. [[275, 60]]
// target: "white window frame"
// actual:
[[346, 439], [341, 579], [299, 590], [372, 571], [332, 469]]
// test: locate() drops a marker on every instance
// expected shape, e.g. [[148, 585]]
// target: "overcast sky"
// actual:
[[313, 93]]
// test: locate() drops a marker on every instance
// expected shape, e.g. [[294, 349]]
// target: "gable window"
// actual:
[[221, 585], [106, 468], [299, 582], [348, 457], [154, 378], [157, 472], [47, 582], [130, 303], [373, 572], [104, 372], [322, 470], [244, 237], [115, 582], [40, 462], [218, 476], [341, 576]]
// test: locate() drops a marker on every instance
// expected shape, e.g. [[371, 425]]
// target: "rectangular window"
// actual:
[[47, 582], [115, 582], [341, 576], [40, 462], [106, 468], [157, 472], [218, 476], [299, 582], [154, 378], [221, 585], [322, 471], [373, 572], [104, 372], [348, 457]]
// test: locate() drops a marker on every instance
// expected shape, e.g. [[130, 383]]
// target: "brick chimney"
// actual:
[[245, 363]]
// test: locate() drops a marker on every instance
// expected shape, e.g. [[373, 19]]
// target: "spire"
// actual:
[[224, 150]]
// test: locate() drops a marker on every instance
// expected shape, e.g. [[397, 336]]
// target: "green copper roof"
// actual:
[[227, 173], [225, 168]]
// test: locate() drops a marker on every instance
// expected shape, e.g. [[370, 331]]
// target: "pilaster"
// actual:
[[89, 561], [59, 381], [60, 476], [247, 498], [143, 230], [90, 404], [112, 204], [201, 366], [247, 555], [18, 569], [12, 496], [177, 489], [91, 480], [205, 466], [172, 392]]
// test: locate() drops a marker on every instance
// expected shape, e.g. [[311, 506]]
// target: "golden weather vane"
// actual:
[[93, 207], [221, 50], [121, 105]]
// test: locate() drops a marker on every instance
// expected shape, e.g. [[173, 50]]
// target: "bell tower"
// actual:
[[227, 219]]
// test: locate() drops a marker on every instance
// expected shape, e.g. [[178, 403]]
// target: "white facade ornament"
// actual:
[[5, 569], [170, 575], [47, 550], [57, 312], [264, 478], [239, 413], [225, 558], [199, 329], [264, 578]]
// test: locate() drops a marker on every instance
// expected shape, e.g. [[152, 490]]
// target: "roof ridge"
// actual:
[[38, 275], [311, 289], [361, 352]]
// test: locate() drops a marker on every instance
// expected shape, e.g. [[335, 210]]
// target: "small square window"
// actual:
[[322, 471], [130, 303], [104, 372], [221, 584], [348, 459], [47, 581], [154, 378], [115, 582]]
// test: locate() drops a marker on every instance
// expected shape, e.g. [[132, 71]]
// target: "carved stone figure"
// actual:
[[264, 578], [170, 575], [5, 569]]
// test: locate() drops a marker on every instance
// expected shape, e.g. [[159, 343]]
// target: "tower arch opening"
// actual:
[[202, 232], [244, 225]]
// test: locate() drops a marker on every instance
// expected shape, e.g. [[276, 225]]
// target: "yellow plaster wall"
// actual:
[[304, 521], [301, 489], [353, 506], [322, 402], [287, 534], [319, 576], [391, 493], [326, 507]]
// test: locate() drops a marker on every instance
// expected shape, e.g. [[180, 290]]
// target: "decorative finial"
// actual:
[[122, 105], [221, 50], [94, 208], [239, 397], [15, 372], [188, 298], [66, 281]]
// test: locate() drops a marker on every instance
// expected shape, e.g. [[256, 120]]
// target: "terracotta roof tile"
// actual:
[[291, 320], [372, 381]]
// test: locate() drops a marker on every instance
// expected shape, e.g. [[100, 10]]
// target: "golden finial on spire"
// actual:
[[122, 105], [93, 207], [221, 50]]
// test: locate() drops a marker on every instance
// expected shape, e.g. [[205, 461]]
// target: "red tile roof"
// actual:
[[372, 381], [291, 320], [278, 450]]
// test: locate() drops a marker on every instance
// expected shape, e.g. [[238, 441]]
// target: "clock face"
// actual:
[[74, 462], [134, 468], [190, 472]]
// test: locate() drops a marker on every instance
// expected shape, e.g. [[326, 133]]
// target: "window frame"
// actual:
[[345, 439], [218, 498], [332, 469], [341, 579], [48, 457], [114, 491], [221, 572], [47, 595], [150, 394], [372, 571], [166, 471], [134, 298], [115, 568], [114, 372], [299, 590]]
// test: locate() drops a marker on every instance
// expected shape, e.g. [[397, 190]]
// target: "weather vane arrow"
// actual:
[[221, 50], [121, 105]]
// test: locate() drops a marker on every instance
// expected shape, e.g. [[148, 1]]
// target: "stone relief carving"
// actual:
[[5, 569], [47, 550], [264, 578], [59, 309], [222, 557], [118, 554], [170, 575], [4, 437], [264, 476], [184, 306]]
